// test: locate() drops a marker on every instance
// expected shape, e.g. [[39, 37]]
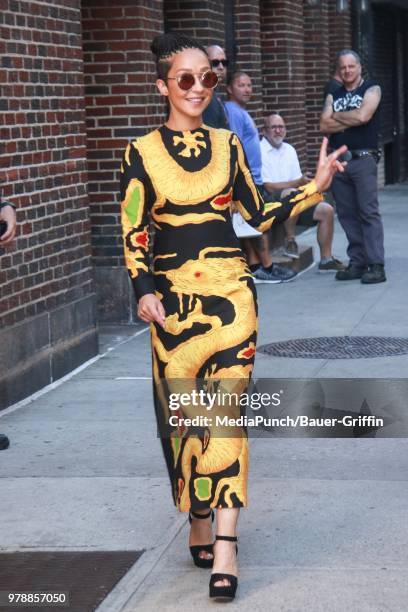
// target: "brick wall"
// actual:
[[44, 158], [282, 38], [55, 165], [201, 19], [317, 72], [47, 271], [340, 31], [248, 47], [121, 104], [299, 43]]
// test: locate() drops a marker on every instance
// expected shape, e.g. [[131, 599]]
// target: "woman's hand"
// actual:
[[328, 165], [151, 309], [8, 214]]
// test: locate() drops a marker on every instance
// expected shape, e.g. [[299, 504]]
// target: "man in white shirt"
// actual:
[[281, 173]]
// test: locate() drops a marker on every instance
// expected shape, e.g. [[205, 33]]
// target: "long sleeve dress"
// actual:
[[183, 184]]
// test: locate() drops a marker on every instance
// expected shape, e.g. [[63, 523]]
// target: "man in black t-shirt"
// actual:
[[351, 117]]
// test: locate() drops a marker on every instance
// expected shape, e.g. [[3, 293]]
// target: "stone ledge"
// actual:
[[42, 349], [304, 261], [116, 301]]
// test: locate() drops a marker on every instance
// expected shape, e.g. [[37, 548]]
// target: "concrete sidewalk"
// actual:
[[326, 528]]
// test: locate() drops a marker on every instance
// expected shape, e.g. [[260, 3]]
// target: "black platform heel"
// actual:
[[224, 593], [196, 549]]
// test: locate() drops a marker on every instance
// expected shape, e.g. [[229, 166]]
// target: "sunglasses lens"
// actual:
[[209, 79], [215, 63], [186, 81]]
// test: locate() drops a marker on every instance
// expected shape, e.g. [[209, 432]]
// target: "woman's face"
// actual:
[[190, 103]]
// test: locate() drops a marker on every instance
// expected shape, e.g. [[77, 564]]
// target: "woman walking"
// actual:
[[200, 297]]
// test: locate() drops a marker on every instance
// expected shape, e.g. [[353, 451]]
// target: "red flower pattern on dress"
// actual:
[[222, 201], [248, 352], [142, 239]]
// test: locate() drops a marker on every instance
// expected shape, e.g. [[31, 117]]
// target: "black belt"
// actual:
[[358, 153]]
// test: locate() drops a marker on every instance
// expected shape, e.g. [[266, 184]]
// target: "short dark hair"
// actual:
[[235, 75], [165, 45], [347, 52]]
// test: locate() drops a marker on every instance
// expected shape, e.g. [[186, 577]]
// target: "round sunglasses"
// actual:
[[186, 80]]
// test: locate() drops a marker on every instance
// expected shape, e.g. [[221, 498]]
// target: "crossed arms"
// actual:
[[332, 123]]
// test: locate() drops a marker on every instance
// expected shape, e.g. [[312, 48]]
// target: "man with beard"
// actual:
[[281, 174]]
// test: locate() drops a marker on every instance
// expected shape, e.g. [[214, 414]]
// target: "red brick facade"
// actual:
[[44, 158], [202, 19], [317, 71], [340, 31], [121, 103], [282, 37], [78, 83], [283, 44], [249, 53]]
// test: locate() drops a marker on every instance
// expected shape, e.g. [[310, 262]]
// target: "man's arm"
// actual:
[[271, 187], [361, 115], [328, 125]]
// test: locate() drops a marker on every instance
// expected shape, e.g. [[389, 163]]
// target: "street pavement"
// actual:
[[326, 527]]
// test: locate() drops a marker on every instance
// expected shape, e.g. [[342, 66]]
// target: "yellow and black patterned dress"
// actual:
[[183, 184]]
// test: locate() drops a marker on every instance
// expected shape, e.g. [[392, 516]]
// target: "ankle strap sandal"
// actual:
[[196, 549], [224, 593]]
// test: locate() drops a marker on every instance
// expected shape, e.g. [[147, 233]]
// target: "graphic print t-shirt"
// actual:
[[361, 136]]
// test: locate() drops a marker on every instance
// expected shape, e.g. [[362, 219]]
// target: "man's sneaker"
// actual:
[[350, 273], [333, 265], [4, 442], [375, 274], [291, 249], [278, 274]]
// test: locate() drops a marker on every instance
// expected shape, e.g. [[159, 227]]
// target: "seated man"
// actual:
[[281, 173]]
